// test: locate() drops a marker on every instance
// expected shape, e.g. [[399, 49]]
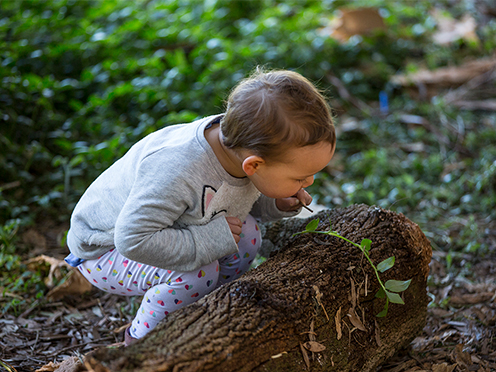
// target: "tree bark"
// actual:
[[262, 321]]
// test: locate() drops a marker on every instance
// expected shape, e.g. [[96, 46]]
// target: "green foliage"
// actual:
[[15, 278], [81, 81], [386, 264], [388, 290]]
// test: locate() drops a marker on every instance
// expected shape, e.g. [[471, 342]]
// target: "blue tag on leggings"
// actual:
[[73, 260]]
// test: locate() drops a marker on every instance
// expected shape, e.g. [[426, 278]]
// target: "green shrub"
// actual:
[[81, 81]]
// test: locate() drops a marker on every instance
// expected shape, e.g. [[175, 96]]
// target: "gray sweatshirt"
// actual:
[[164, 203]]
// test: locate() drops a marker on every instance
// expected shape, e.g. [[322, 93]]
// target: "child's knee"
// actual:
[[198, 282], [182, 288], [177, 291]]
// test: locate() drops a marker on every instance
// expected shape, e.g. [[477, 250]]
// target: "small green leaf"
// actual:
[[365, 244], [394, 298], [312, 225], [386, 264], [397, 285], [380, 293], [383, 313]]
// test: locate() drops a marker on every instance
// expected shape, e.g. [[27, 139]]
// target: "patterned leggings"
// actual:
[[164, 290]]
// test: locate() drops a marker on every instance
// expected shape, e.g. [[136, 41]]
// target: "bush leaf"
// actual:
[[312, 225], [383, 313], [380, 293], [386, 264], [397, 285], [365, 244], [394, 298]]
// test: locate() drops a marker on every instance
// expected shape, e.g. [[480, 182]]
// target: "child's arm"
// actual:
[[183, 249], [148, 228]]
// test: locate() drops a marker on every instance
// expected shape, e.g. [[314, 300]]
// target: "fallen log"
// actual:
[[311, 306]]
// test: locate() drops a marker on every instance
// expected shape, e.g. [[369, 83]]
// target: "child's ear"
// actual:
[[252, 164]]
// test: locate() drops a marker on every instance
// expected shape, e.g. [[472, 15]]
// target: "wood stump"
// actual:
[[264, 320]]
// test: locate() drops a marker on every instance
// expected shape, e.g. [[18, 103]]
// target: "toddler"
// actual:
[[176, 216]]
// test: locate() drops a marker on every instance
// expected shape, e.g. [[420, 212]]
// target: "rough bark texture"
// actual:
[[259, 322]]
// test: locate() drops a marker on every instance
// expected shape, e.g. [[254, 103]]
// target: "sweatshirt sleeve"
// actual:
[[265, 209], [145, 230]]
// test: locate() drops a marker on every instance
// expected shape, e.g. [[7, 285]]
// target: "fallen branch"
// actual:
[[260, 322]]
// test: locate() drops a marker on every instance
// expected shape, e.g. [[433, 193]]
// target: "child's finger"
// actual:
[[303, 197], [234, 221]]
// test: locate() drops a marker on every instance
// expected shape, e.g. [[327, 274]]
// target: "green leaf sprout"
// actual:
[[388, 290]]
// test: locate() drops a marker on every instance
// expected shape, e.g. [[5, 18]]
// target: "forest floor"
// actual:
[[459, 334]]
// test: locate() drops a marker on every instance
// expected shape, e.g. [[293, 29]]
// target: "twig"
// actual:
[[308, 209], [7, 366], [30, 309], [472, 84], [79, 345], [10, 185], [487, 105], [318, 241], [345, 94]]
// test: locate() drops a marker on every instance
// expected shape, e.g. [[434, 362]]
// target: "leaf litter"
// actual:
[[459, 335], [72, 320]]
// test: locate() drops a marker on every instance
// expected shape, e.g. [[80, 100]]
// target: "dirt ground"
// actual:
[[459, 334]]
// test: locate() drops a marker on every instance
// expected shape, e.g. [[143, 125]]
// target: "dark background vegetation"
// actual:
[[81, 81]]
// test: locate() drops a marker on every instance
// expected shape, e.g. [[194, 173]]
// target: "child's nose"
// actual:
[[308, 181]]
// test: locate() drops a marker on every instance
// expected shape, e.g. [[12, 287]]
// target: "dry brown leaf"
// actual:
[[451, 30], [337, 318], [355, 320], [448, 76], [314, 346], [474, 298], [443, 367], [318, 297], [92, 365], [50, 367], [377, 334], [311, 334], [305, 355], [74, 284], [353, 294], [462, 358], [71, 364], [361, 21], [55, 272]]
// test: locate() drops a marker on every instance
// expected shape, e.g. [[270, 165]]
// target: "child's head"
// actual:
[[272, 112]]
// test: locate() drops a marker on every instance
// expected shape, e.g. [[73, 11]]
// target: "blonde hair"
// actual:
[[270, 112]]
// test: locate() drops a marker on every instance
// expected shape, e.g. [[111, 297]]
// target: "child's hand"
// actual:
[[294, 202], [235, 226]]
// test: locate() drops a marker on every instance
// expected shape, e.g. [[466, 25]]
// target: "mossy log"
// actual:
[[265, 320]]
